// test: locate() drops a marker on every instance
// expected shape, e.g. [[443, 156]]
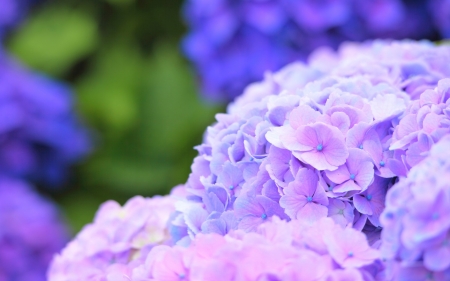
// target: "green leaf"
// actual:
[[55, 38], [156, 152], [108, 92]]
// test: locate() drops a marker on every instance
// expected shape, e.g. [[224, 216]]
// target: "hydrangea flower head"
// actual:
[[233, 43], [117, 240], [415, 238], [31, 232], [41, 133], [311, 141]]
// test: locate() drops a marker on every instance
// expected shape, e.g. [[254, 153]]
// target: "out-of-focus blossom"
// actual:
[[416, 224], [31, 232], [311, 141], [12, 12], [118, 239], [233, 43], [278, 250], [40, 132]]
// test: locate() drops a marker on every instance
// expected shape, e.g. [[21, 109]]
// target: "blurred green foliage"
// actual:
[[55, 38], [133, 89]]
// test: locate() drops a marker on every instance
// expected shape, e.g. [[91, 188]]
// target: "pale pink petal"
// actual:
[[346, 186], [320, 195], [315, 159], [340, 175], [302, 115], [306, 182], [341, 121], [432, 122], [312, 212], [335, 152], [307, 139], [292, 204], [364, 176]]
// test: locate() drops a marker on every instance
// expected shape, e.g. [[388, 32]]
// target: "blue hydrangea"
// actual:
[[39, 131], [31, 232], [232, 43], [12, 12]]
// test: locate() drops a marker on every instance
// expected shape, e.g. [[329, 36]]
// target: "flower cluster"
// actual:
[[232, 43], [304, 144], [276, 251], [30, 232], [416, 233], [293, 178], [425, 122], [118, 239], [40, 133], [413, 67]]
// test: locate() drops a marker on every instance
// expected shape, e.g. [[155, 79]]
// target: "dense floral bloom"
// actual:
[[291, 182], [277, 250], [232, 43], [313, 141], [425, 122], [31, 232], [40, 132], [117, 240], [415, 238]]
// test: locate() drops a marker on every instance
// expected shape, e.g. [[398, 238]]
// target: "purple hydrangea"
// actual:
[[310, 142], [425, 122], [415, 237], [40, 133], [31, 232], [232, 43], [291, 183], [12, 12], [118, 240], [277, 250]]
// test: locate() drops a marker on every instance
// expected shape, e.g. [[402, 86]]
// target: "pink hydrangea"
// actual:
[[117, 240], [277, 250]]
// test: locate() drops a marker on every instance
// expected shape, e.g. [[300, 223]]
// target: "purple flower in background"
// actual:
[[233, 43], [41, 135], [415, 238], [31, 232], [12, 12]]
